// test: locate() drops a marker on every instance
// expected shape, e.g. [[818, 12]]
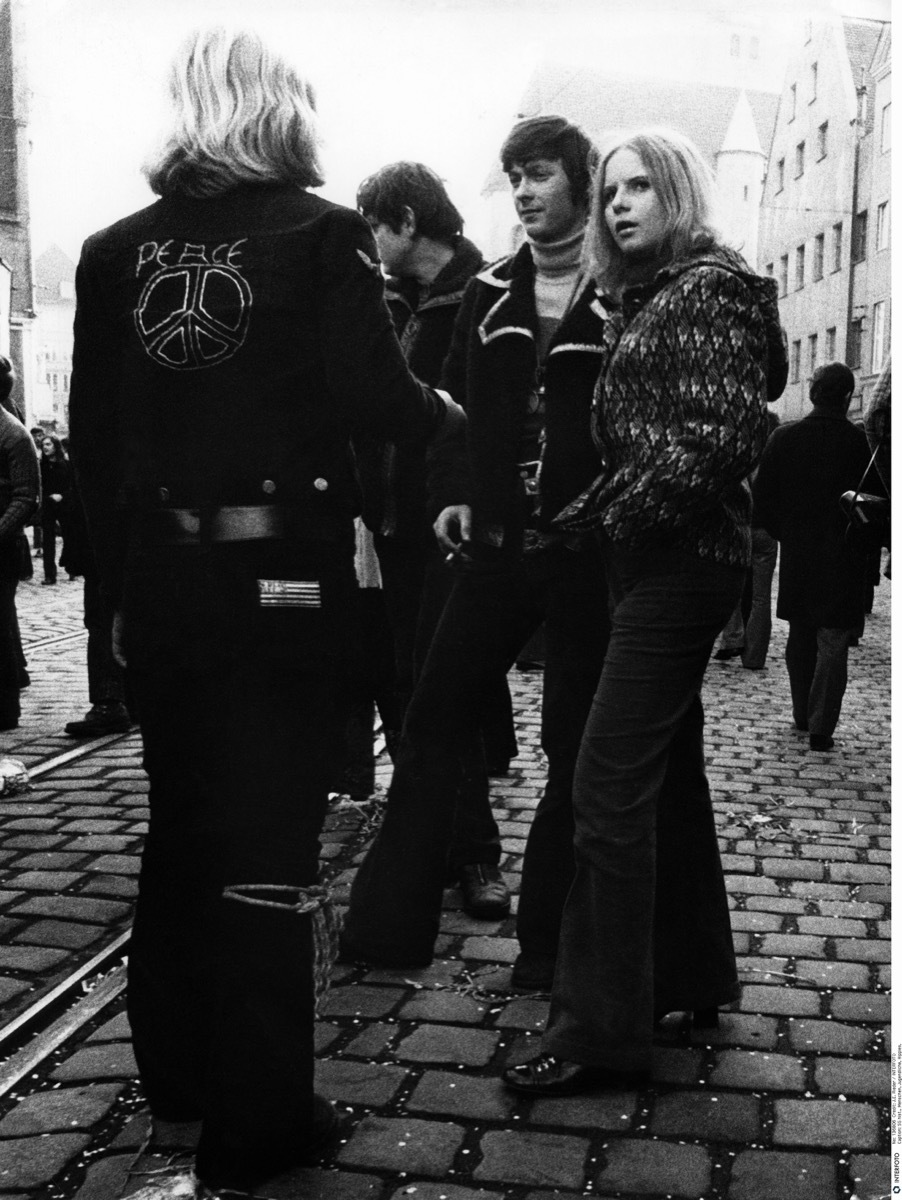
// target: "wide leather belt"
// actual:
[[228, 523]]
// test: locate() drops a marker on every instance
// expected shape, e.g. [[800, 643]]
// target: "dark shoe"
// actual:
[[485, 893], [24, 679], [821, 741], [802, 726], [322, 1135], [702, 1018], [550, 1076], [102, 718], [532, 974], [726, 652], [48, 583]]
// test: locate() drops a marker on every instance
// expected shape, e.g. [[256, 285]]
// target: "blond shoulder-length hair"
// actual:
[[684, 184], [241, 114]]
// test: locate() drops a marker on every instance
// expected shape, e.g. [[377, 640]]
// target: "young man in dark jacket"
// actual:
[[419, 234], [523, 363]]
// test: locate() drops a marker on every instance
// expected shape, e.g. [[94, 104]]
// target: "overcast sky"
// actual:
[[434, 80]]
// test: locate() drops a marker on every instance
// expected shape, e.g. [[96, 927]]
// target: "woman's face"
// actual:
[[48, 447], [633, 211]]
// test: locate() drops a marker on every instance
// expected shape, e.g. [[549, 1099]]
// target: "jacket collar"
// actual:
[[513, 311], [448, 286]]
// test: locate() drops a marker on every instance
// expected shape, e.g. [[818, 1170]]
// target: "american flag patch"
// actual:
[[289, 593]]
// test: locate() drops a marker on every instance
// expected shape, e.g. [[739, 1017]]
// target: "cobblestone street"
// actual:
[[787, 1100]]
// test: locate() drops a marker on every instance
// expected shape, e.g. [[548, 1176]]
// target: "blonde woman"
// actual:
[[690, 361], [229, 340]]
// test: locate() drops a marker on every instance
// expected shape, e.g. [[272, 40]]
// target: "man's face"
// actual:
[[394, 246], [543, 199]]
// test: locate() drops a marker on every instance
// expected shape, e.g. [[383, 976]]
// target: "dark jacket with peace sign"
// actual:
[[226, 350]]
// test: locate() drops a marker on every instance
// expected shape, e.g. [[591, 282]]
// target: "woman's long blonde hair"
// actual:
[[684, 184], [242, 114]]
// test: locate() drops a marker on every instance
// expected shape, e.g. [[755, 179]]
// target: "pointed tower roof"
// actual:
[[742, 133]]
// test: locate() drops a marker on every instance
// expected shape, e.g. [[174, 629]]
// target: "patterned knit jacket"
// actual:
[[689, 364]]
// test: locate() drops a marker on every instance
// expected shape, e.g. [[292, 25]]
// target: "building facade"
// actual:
[[54, 294], [825, 210], [16, 297]]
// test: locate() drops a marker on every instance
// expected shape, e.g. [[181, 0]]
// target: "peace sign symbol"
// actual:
[[193, 315]]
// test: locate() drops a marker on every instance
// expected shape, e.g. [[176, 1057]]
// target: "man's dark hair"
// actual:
[[831, 386], [555, 138], [383, 197]]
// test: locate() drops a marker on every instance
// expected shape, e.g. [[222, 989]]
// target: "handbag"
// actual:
[[868, 516]]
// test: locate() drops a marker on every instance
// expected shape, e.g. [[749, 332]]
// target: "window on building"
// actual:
[[812, 354], [837, 246], [830, 344], [781, 173], [883, 225], [822, 140], [817, 266], [878, 342], [860, 236], [783, 278], [769, 270], [734, 45], [862, 94], [812, 75], [886, 128], [853, 350], [745, 192], [795, 361], [800, 266], [792, 101], [800, 159]]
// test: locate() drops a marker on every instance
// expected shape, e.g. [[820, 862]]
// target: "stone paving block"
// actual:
[[793, 1002], [358, 1082], [658, 1167], [439, 1191], [490, 949], [613, 1110], [859, 873], [523, 1013], [459, 923], [832, 926], [360, 1001], [458, 1095], [676, 1066], [723, 1117], [540, 1159], [112, 1061], [449, 1044], [751, 885], [870, 1175], [314, 1184], [828, 974], [792, 944], [820, 891], [29, 958], [774, 1175], [873, 950], [739, 1029], [443, 1006], [31, 1162], [841, 1075], [874, 893], [756, 922], [73, 908], [793, 868], [753, 1070], [848, 1006], [373, 1040], [105, 1178], [66, 934], [438, 972], [62, 1110], [110, 885], [826, 1123], [117, 1029], [405, 1144], [116, 864], [34, 841], [828, 1036]]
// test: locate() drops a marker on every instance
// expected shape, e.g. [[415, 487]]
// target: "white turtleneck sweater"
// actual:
[[557, 275]]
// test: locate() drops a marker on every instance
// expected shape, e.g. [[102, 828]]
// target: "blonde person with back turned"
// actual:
[[244, 314], [689, 362]]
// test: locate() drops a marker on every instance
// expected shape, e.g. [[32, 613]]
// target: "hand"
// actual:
[[452, 527], [56, 497], [119, 638]]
